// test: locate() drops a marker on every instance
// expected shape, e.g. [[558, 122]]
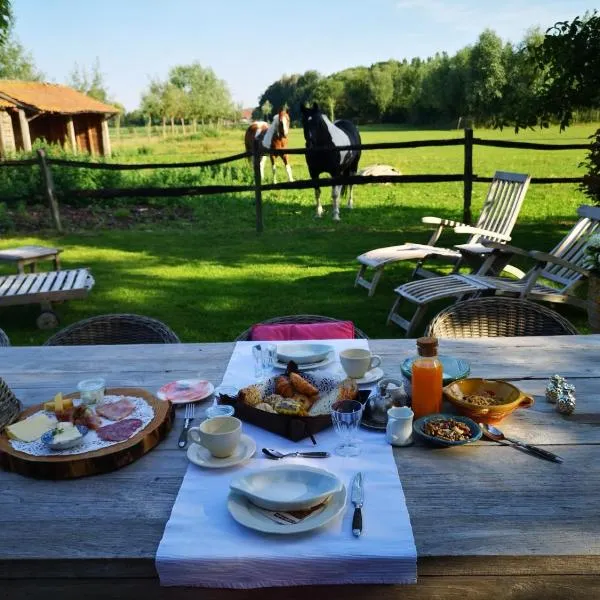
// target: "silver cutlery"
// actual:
[[493, 433], [357, 498], [276, 455], [190, 411]]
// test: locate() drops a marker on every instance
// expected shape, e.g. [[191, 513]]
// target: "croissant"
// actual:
[[302, 386], [283, 387]]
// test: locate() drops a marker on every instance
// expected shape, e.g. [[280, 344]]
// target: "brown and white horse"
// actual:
[[274, 136]]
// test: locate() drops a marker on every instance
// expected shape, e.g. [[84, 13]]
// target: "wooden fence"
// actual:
[[468, 177]]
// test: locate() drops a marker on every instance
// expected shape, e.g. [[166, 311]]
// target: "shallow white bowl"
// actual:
[[303, 353], [291, 487]]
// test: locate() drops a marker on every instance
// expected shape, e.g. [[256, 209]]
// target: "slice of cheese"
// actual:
[[51, 406], [58, 402], [31, 428]]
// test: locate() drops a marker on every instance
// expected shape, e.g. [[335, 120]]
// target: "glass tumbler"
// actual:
[[269, 356], [346, 416]]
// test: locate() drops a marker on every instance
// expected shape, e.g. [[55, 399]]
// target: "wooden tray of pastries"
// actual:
[[293, 405]]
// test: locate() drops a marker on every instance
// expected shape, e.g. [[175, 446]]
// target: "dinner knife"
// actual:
[[357, 498]]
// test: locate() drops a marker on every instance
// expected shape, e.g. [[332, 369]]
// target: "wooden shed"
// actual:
[[31, 110]]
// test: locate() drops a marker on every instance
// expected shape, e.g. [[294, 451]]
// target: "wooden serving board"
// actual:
[[96, 461]]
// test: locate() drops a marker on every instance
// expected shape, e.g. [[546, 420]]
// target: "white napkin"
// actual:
[[203, 546]]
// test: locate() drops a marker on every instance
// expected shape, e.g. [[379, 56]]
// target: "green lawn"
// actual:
[[212, 277]]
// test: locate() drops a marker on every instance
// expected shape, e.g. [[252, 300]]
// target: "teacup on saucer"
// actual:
[[202, 457]]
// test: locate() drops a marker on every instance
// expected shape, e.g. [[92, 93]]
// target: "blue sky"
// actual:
[[250, 44]]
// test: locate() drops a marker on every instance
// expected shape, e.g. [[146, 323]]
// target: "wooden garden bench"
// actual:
[[44, 289], [29, 256]]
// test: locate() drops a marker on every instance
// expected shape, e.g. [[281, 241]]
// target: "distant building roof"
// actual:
[[49, 97], [247, 113]]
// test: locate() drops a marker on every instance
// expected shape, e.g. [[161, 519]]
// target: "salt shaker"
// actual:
[[399, 427]]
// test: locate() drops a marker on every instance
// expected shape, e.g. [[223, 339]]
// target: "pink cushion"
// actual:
[[334, 330]]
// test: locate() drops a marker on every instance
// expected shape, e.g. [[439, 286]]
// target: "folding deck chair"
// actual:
[[496, 221], [43, 289], [554, 278]]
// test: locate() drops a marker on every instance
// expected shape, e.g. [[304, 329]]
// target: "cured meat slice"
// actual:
[[119, 431], [115, 411]]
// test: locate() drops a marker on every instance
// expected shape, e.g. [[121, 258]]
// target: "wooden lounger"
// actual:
[[43, 289]]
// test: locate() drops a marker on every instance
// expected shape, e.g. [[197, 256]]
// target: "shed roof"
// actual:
[[50, 97]]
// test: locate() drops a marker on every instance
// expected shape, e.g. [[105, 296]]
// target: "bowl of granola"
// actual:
[[486, 400], [447, 430]]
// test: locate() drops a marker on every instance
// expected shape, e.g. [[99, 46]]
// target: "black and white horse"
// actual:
[[320, 132]]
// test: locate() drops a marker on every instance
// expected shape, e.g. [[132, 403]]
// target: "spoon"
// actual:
[[493, 433], [276, 455]]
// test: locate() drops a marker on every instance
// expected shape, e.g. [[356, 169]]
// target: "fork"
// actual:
[[190, 411]]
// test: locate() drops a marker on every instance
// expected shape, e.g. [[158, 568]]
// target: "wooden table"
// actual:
[[489, 521]]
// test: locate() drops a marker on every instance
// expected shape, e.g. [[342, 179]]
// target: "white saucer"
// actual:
[[200, 456], [371, 376], [307, 366], [245, 513]]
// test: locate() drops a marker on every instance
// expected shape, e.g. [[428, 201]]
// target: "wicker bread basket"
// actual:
[[10, 407]]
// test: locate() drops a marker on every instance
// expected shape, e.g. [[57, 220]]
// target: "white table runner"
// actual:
[[203, 546]]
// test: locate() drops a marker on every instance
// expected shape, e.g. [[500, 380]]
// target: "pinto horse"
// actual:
[[274, 136], [320, 132]]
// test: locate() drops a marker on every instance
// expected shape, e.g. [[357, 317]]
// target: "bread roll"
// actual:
[[250, 395], [266, 407], [302, 386], [283, 387]]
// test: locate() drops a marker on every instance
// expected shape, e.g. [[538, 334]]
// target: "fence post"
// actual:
[[468, 176], [49, 189], [256, 158]]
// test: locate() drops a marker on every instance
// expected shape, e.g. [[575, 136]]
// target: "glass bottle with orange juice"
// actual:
[[426, 379]]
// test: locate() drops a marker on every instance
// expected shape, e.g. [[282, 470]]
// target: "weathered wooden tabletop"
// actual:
[[489, 520]]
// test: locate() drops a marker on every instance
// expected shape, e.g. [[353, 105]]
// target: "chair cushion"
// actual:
[[334, 330]]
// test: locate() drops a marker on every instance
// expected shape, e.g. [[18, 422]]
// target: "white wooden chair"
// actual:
[[554, 278], [496, 221]]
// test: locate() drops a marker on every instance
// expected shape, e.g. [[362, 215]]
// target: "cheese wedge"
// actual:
[[58, 402], [51, 406], [30, 429]]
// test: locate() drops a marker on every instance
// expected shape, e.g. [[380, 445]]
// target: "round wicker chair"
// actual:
[[114, 329], [4, 341], [245, 335], [498, 317]]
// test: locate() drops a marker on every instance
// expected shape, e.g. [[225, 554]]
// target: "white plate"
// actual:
[[370, 376], [287, 487], [307, 366], [183, 391], [200, 456], [303, 353], [245, 513]]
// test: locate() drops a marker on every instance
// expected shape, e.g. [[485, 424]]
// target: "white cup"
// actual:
[[219, 435], [399, 429], [356, 361]]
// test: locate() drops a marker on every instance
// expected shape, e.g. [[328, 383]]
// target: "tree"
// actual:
[[569, 58], [328, 93], [5, 20], [381, 86], [487, 76], [16, 62], [266, 109], [90, 82]]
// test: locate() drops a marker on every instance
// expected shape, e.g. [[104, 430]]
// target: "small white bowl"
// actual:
[[291, 487], [303, 353]]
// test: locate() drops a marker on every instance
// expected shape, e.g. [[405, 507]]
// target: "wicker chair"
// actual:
[[4, 341], [498, 317], [114, 329], [245, 335]]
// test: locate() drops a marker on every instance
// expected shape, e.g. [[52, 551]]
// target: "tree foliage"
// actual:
[[5, 20], [189, 92], [16, 62], [89, 81], [569, 59]]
